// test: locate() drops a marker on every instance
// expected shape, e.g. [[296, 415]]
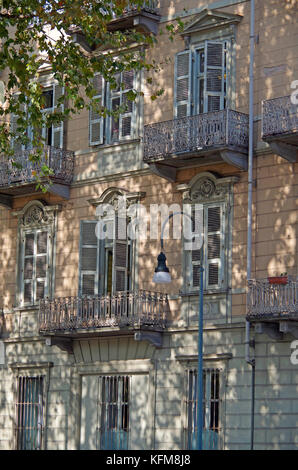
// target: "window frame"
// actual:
[[27, 380], [191, 368], [189, 263], [192, 102], [34, 280], [36, 217], [101, 272], [105, 123]]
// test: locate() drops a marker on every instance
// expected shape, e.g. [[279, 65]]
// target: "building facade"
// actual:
[[93, 354]]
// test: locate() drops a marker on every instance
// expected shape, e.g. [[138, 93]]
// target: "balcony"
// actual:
[[145, 18], [273, 306], [195, 140], [280, 127], [142, 314], [15, 181]]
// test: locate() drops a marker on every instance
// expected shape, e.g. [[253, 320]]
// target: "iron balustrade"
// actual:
[[207, 131], [61, 162], [266, 300], [280, 116], [122, 309], [148, 5]]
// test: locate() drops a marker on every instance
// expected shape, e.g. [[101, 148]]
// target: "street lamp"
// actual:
[[161, 276]]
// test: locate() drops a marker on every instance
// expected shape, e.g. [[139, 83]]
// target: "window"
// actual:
[[213, 197], [211, 410], [29, 413], [52, 136], [201, 79], [35, 265], [112, 129], [35, 252], [114, 412], [105, 265], [211, 256]]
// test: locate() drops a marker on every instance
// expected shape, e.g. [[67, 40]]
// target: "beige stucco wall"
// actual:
[[274, 251]]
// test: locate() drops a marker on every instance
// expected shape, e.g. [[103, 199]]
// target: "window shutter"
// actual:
[[215, 244], [120, 257], [95, 119], [126, 120], [196, 260], [183, 77], [123, 127], [88, 259], [41, 264], [57, 129], [17, 146], [215, 79], [28, 268]]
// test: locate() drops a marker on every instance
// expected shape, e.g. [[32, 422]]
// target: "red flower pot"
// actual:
[[278, 280]]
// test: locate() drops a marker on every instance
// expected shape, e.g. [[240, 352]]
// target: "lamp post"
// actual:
[[161, 276]]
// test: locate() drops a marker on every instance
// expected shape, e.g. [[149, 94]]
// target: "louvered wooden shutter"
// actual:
[[120, 256], [196, 258], [17, 146], [127, 119], [88, 259], [41, 269], [28, 268], [183, 77], [57, 129], [215, 245], [123, 127], [215, 79], [96, 121]]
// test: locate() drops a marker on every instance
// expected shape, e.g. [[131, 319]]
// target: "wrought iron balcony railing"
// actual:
[[280, 117], [125, 309], [60, 161], [226, 128], [148, 5], [272, 301]]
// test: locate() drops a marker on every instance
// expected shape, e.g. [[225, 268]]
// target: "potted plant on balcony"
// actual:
[[282, 279]]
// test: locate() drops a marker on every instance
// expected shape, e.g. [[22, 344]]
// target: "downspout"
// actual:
[[250, 360]]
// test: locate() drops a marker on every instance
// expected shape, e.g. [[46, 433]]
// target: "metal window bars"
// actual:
[[114, 412], [211, 403], [29, 413]]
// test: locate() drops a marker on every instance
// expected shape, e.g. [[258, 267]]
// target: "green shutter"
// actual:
[[89, 252], [123, 127], [183, 82], [57, 129], [214, 245], [120, 256], [96, 122], [215, 76]]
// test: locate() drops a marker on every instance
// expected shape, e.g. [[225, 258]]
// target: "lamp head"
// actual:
[[161, 275]]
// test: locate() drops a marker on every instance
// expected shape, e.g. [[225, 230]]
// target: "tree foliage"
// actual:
[[35, 38]]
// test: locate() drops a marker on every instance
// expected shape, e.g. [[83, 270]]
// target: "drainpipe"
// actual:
[[248, 343]]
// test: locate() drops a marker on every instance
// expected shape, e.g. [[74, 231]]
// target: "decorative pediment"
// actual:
[[206, 187], [210, 19], [36, 214], [111, 196]]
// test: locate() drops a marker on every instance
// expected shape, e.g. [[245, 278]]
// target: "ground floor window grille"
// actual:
[[29, 413], [211, 401], [114, 408]]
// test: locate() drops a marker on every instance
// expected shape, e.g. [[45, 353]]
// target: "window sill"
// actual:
[[116, 144], [205, 292], [24, 308]]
